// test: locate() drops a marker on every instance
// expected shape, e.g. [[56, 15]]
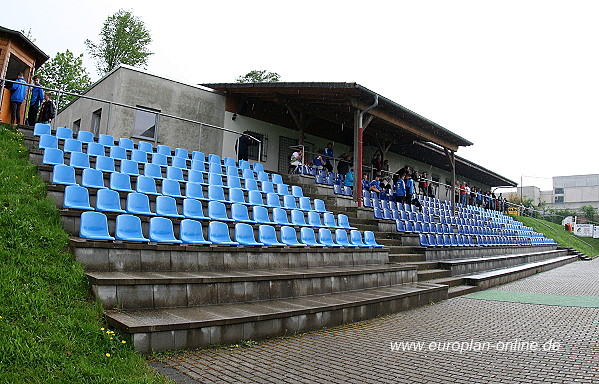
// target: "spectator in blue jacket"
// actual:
[[365, 182], [329, 155], [19, 90], [400, 189], [349, 178], [37, 98]]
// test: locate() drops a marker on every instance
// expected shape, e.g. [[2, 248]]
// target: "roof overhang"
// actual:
[[40, 56]]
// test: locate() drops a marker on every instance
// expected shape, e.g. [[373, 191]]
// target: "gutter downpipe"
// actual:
[[360, 153]]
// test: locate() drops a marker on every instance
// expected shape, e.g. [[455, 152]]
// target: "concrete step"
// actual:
[[389, 242], [451, 281], [405, 249], [183, 328], [143, 290], [492, 278], [423, 265], [461, 290], [430, 274], [406, 258]]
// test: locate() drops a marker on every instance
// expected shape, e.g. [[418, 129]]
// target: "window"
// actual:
[[258, 152], [559, 199], [76, 126], [146, 123], [96, 118], [559, 191]]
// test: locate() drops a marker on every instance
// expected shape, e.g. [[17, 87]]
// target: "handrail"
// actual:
[[582, 241], [59, 92], [540, 222]]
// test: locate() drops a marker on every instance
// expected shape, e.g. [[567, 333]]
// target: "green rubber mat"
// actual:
[[537, 298]]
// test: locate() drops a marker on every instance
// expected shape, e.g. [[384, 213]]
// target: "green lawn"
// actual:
[[563, 238], [51, 330]]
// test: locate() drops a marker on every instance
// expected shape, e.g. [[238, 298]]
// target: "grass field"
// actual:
[[563, 238], [51, 330]]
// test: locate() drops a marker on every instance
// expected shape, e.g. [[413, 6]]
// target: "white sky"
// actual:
[[517, 78]]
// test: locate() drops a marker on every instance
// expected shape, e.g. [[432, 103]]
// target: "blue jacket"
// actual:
[[410, 187], [37, 96], [400, 188], [376, 183], [365, 184], [349, 179], [328, 152], [19, 90]]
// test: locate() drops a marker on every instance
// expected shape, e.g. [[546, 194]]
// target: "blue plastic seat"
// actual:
[[424, 240], [308, 237], [191, 232], [217, 193], [215, 179], [283, 189], [194, 176], [194, 191], [272, 200], [232, 171], [297, 191], [42, 129], [47, 141], [163, 150], [120, 182], [197, 165], [329, 220], [248, 174], [145, 146], [159, 159], [343, 221], [212, 158], [129, 167], [193, 209], [72, 145], [179, 162], [267, 187], [94, 225], [229, 162], [109, 201], [314, 219], [244, 235], [162, 231], [342, 239], [355, 238], [289, 202], [255, 198], [105, 164], [319, 206], [279, 216], [92, 178], [218, 233], [260, 215], [182, 153], [218, 211], [85, 136], [239, 213], [236, 195], [276, 178], [250, 185], [319, 179], [79, 160], [95, 149], [289, 237], [304, 203], [64, 133], [244, 164], [171, 188], [366, 199], [325, 237], [153, 170], [258, 167], [128, 228], [76, 197], [167, 206], [146, 185], [267, 235], [118, 153], [337, 190], [53, 156], [174, 173], [298, 218], [233, 182], [63, 174], [198, 156], [400, 226], [370, 240], [432, 240], [126, 144], [139, 156], [106, 140], [139, 204], [262, 176]]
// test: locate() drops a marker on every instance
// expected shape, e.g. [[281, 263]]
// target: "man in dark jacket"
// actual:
[[243, 145], [48, 109], [19, 90], [37, 98]]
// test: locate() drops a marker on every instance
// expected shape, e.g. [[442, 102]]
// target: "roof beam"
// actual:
[[377, 112]]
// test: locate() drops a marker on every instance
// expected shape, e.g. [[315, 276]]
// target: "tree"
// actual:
[[124, 39], [589, 212], [256, 76], [66, 73], [28, 34]]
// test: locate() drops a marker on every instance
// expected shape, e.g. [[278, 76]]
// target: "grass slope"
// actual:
[[563, 238], [51, 331]]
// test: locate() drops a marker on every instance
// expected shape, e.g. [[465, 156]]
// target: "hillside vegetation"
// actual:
[[51, 330], [563, 238]]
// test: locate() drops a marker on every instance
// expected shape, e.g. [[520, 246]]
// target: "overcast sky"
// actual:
[[517, 78]]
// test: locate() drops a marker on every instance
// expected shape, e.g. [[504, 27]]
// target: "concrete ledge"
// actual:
[[136, 257], [452, 253], [465, 266], [159, 330]]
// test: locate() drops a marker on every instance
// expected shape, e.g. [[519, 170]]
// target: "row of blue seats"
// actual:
[[449, 240], [94, 225], [107, 200], [385, 214]]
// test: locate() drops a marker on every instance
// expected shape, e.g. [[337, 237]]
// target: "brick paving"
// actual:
[[361, 352]]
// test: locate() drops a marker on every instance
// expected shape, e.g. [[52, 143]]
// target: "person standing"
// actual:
[[328, 156], [37, 98], [349, 178], [400, 189], [19, 90], [48, 109], [243, 144]]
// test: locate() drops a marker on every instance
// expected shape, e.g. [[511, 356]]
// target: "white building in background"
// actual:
[[569, 192]]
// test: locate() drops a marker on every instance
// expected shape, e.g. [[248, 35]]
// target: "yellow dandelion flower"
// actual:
[[108, 355], [111, 338], [101, 329], [124, 342]]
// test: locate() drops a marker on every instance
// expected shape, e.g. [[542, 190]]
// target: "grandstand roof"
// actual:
[[335, 103], [40, 56]]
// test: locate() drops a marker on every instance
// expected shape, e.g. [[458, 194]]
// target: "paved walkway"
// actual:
[[461, 340]]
